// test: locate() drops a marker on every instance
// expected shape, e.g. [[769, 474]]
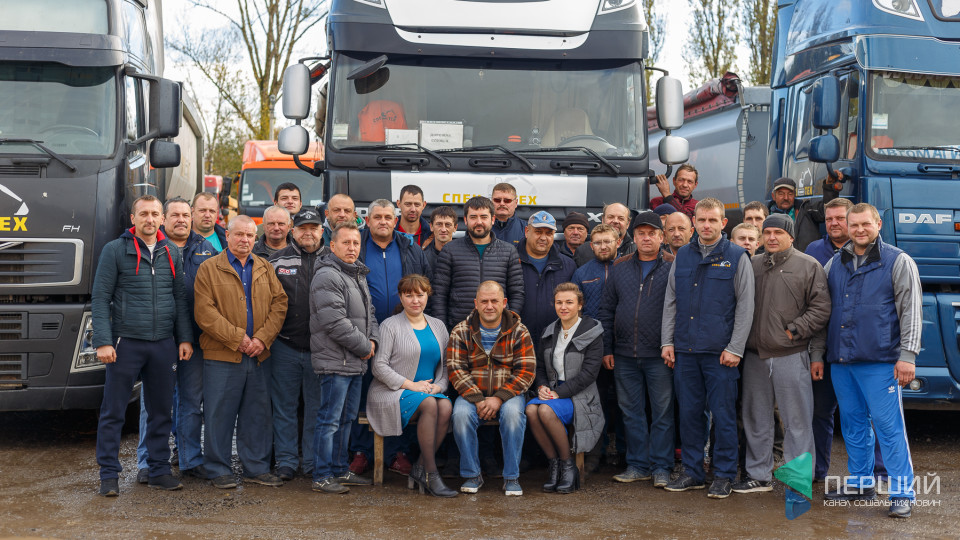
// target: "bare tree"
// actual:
[[656, 24], [710, 50], [759, 28], [266, 31]]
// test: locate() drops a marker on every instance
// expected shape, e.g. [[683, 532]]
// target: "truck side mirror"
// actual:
[[293, 140], [296, 92], [164, 154], [165, 107], [669, 103], [826, 102], [673, 150], [825, 148]]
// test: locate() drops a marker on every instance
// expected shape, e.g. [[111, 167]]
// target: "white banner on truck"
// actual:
[[458, 187]]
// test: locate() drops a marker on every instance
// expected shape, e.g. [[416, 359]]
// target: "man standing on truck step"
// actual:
[[576, 229], [240, 306], [206, 210], [340, 209], [389, 255], [684, 182], [872, 342], [276, 226], [792, 305], [507, 226], [476, 257], [290, 369], [807, 214], [618, 216], [707, 313], [411, 221], [140, 315]]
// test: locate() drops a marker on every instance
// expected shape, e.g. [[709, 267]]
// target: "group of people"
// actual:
[[512, 325]]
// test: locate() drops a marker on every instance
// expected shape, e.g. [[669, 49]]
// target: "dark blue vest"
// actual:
[[864, 326], [706, 297]]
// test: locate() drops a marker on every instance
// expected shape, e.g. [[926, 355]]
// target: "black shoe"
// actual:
[[109, 487], [899, 507], [165, 482], [554, 476], [227, 481], [749, 485], [845, 493], [569, 476], [435, 486], [143, 476], [683, 483], [265, 479], [196, 472], [720, 488], [286, 473]]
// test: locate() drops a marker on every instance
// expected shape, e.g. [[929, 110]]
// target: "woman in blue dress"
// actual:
[[410, 375], [568, 361]]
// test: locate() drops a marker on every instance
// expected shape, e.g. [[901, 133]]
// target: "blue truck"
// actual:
[[867, 88]]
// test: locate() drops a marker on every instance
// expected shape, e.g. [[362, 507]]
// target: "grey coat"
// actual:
[[342, 321], [581, 364], [397, 358]]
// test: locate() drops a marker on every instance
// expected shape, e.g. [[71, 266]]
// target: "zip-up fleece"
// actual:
[[506, 372], [791, 295], [138, 296], [632, 308]]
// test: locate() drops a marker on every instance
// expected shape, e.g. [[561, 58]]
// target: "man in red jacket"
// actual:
[[684, 182]]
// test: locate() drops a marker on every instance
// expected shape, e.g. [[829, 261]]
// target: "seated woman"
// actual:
[[568, 361], [410, 375]]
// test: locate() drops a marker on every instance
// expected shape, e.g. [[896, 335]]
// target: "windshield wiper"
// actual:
[[950, 148], [526, 162], [405, 146], [39, 145], [615, 169]]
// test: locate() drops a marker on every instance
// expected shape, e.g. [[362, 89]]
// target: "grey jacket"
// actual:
[[397, 359], [581, 364], [342, 321], [791, 295]]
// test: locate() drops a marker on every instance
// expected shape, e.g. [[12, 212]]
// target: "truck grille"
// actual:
[[13, 325], [12, 371], [27, 263]]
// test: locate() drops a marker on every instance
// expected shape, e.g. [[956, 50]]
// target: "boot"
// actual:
[[569, 476], [554, 476], [436, 487], [415, 477]]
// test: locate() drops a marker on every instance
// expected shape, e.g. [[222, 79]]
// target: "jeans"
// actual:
[[339, 405], [190, 410], [513, 422], [290, 373], [153, 362], [635, 378], [236, 395], [702, 383]]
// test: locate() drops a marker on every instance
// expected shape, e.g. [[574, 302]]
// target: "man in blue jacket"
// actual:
[[507, 226], [140, 314], [872, 342], [631, 313], [544, 267], [707, 314]]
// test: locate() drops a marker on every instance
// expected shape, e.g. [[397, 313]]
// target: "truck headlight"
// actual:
[[915, 385], [85, 355], [902, 8], [608, 6]]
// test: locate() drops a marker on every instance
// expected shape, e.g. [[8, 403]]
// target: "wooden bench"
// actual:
[[378, 450]]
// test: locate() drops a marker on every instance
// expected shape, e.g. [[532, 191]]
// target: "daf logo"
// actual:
[[939, 219]]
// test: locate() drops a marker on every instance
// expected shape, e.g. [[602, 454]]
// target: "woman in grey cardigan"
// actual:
[[568, 361], [410, 376]]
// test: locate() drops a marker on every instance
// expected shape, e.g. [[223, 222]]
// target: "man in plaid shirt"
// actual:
[[491, 364]]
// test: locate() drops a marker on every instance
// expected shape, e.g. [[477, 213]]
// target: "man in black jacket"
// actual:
[[290, 369], [466, 262], [140, 313], [631, 314], [807, 214]]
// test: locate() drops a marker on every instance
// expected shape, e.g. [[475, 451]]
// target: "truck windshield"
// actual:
[[444, 103], [908, 117], [257, 186], [72, 110]]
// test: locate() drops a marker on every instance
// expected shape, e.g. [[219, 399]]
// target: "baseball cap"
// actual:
[[784, 182], [648, 218], [307, 215], [542, 219]]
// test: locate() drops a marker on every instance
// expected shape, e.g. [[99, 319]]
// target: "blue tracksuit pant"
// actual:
[[702, 383]]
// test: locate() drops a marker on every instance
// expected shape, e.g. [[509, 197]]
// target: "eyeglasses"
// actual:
[[500, 200]]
